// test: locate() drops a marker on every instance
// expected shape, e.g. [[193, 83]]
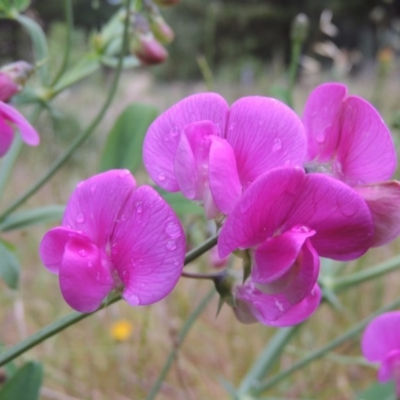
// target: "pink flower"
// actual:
[[381, 343], [285, 220], [115, 236], [348, 139], [13, 77], [212, 152], [10, 116]]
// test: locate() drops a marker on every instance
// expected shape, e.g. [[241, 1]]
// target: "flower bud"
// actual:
[[144, 45], [299, 29], [161, 30], [13, 77]]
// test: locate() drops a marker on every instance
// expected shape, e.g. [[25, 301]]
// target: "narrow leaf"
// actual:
[[24, 384], [125, 140], [9, 266], [36, 216], [379, 391], [181, 205]]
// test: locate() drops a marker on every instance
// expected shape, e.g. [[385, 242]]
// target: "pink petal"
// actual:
[[262, 208], [97, 203], [85, 278], [162, 138], [275, 257], [264, 133], [6, 136], [383, 200], [340, 217], [224, 180], [381, 336], [366, 151], [148, 248], [299, 280], [390, 367], [321, 119], [53, 244], [28, 133], [300, 311]]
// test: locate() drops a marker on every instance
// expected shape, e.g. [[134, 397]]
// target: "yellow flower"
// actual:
[[121, 330]]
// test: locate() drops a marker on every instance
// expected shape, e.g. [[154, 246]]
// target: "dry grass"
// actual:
[[85, 362]]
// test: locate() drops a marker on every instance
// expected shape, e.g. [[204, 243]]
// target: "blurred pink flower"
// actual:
[[285, 220], [212, 152], [348, 139], [115, 236], [13, 77], [381, 343], [9, 116]]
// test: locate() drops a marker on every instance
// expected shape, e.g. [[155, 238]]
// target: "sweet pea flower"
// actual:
[[13, 77], [381, 343], [348, 139], [9, 116], [284, 221], [212, 152], [115, 236]]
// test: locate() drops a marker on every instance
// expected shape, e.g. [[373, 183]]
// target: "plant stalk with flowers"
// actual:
[[279, 192]]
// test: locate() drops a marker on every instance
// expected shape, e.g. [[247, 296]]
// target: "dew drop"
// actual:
[[172, 230], [133, 262], [161, 176], [80, 218], [320, 137], [98, 276], [90, 264], [139, 207], [277, 144], [171, 245], [175, 131], [287, 162], [114, 248], [123, 173], [232, 126], [93, 188], [133, 300], [82, 252], [279, 305]]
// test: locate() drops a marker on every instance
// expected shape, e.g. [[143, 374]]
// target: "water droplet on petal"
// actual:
[[133, 300], [173, 230], [80, 218], [279, 305], [232, 126], [175, 131], [82, 252], [98, 276], [171, 245], [90, 264], [114, 248], [320, 137], [287, 162], [123, 173], [161, 176], [139, 207], [93, 188], [277, 144]]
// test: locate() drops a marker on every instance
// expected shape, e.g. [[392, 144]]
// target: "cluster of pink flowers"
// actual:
[[287, 190]]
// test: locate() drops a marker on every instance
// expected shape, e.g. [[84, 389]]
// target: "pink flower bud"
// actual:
[[13, 77], [161, 30]]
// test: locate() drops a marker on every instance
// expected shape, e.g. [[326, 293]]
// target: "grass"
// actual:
[[85, 362]]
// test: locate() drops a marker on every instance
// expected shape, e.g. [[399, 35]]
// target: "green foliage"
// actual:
[[181, 205], [9, 266], [379, 391], [24, 384], [123, 148], [23, 219]]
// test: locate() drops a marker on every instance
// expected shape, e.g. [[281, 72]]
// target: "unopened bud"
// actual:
[[243, 312], [13, 78], [215, 260], [144, 45], [161, 30], [299, 29]]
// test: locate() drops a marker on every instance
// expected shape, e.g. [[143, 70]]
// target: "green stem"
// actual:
[[267, 358], [293, 68], [182, 335], [12, 156], [69, 20], [81, 138], [355, 330], [198, 251], [193, 275], [339, 284], [75, 317], [48, 331]]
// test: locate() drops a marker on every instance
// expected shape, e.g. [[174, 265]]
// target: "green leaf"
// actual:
[[379, 391], [82, 69], [40, 47], [21, 5], [123, 148], [24, 384], [36, 216], [181, 205], [9, 266]]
